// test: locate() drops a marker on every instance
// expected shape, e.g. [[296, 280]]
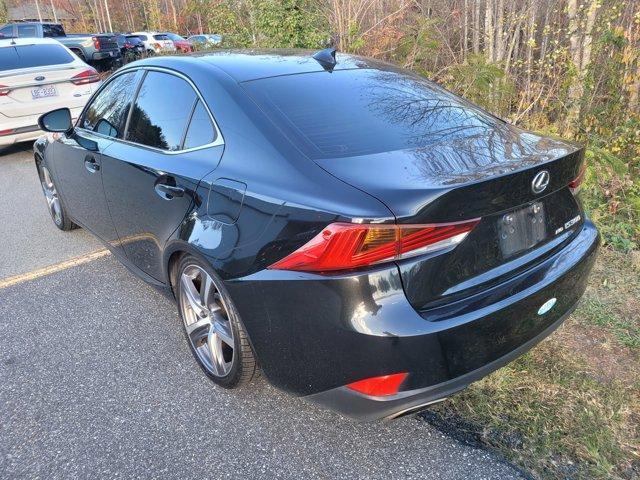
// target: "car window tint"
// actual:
[[143, 37], [161, 111], [200, 131], [108, 111], [6, 31], [27, 31], [49, 30], [361, 112], [161, 37], [28, 56]]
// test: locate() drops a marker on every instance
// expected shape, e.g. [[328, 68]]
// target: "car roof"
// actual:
[[246, 65], [9, 42]]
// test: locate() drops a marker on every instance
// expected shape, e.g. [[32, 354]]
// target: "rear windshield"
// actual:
[[134, 39], [52, 30], [27, 56], [160, 37], [358, 112]]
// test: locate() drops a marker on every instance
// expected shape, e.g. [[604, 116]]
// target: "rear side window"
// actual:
[[27, 31], [161, 111], [108, 111], [49, 30], [200, 131], [28, 56]]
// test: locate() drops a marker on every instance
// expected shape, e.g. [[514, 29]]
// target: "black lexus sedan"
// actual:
[[362, 236]]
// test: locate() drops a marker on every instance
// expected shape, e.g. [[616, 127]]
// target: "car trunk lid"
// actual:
[[39, 89], [490, 177]]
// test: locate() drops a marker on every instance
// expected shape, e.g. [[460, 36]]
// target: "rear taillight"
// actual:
[[96, 43], [381, 386], [4, 90], [575, 184], [4, 133], [343, 246], [87, 76], [157, 45]]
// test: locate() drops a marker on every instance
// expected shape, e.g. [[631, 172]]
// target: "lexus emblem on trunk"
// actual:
[[540, 181], [39, 78]]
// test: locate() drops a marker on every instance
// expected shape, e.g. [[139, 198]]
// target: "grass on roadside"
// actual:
[[570, 408]]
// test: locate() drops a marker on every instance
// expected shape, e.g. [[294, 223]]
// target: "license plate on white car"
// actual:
[[44, 92]]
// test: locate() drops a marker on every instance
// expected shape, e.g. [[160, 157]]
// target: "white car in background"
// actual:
[[155, 42], [38, 75]]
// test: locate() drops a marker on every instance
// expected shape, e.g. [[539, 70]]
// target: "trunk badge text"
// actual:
[[568, 224], [540, 181], [39, 78], [546, 306]]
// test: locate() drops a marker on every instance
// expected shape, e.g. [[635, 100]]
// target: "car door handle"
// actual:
[[90, 164], [169, 191]]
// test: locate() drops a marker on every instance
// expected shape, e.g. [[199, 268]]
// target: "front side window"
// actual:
[[107, 113], [6, 31], [27, 31], [161, 111], [200, 131]]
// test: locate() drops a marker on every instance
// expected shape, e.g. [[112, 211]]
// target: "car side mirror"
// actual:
[[56, 121]]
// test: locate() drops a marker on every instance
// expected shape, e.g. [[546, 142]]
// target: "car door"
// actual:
[[150, 179], [78, 156]]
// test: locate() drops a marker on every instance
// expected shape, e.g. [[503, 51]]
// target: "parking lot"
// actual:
[[97, 379]]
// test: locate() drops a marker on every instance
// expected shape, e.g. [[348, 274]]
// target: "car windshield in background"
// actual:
[[359, 112], [28, 56], [174, 36], [161, 37], [133, 39], [52, 30]]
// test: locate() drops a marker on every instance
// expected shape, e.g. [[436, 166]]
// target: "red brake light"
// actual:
[[157, 45], [343, 246], [379, 386], [4, 90], [575, 184], [96, 43], [87, 76], [4, 133]]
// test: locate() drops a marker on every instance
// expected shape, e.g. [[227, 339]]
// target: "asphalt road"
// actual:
[[97, 381]]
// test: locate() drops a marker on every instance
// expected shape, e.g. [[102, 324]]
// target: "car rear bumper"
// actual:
[[313, 334], [366, 408], [107, 55], [22, 134]]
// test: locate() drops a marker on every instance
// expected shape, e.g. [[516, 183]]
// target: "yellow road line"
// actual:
[[56, 267]]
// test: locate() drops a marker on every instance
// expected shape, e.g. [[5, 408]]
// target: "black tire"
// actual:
[[244, 367], [61, 218]]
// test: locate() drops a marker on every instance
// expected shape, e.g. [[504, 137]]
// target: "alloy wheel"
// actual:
[[206, 320], [51, 194]]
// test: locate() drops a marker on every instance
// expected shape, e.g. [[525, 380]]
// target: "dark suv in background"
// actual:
[[131, 47]]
